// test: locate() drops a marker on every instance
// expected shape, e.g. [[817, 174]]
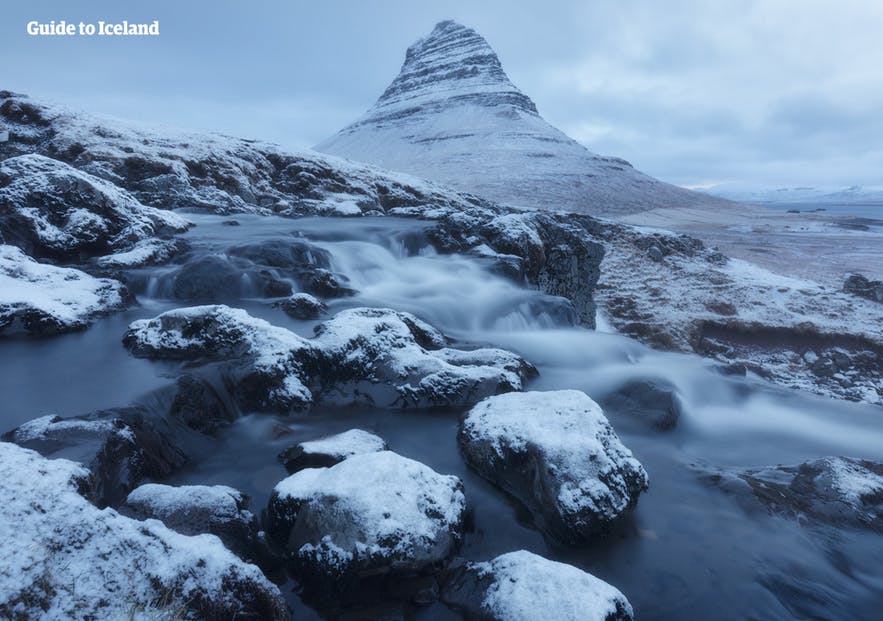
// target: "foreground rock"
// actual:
[[525, 587], [43, 299], [836, 490], [198, 509], [363, 355], [655, 403], [120, 447], [330, 450], [376, 515], [84, 563], [863, 287], [303, 306], [52, 210], [557, 454]]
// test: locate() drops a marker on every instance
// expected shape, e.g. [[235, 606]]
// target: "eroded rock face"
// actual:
[[52, 210], [526, 587], [836, 490], [43, 299], [197, 509], [371, 514], [557, 454], [82, 562], [376, 356], [120, 447], [330, 450]]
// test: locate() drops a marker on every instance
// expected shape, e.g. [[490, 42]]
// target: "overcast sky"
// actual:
[[760, 92]]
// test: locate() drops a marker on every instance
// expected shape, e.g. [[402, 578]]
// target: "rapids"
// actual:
[[689, 550]]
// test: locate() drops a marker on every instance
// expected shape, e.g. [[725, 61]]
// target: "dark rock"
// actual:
[[303, 306], [197, 404], [835, 490], [197, 509], [557, 454], [861, 286], [655, 403], [331, 450], [121, 447], [213, 278]]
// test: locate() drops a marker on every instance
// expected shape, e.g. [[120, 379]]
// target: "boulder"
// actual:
[[215, 277], [81, 562], [330, 450], [376, 516], [376, 356], [120, 447], [198, 405], [303, 306], [198, 509], [52, 210], [655, 403], [525, 587], [835, 490], [43, 299], [863, 287], [557, 454]]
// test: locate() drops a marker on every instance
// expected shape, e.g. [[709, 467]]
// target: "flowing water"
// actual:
[[688, 551]]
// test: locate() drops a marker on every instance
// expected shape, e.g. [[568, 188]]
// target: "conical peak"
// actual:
[[453, 62]]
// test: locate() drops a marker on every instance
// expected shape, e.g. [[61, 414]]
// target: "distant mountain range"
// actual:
[[453, 116], [853, 195]]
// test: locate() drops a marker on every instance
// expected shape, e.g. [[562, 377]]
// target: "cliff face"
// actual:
[[452, 115]]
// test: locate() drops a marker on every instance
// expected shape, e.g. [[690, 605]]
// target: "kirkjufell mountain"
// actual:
[[452, 115]]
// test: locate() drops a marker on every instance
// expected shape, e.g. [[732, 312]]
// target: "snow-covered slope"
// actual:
[[453, 116]]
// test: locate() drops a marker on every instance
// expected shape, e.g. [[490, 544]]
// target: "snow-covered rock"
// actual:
[[452, 115], [521, 586], [330, 450], [374, 513], [303, 306], [50, 209], [377, 356], [44, 299], [557, 454], [120, 447], [198, 509], [836, 490], [63, 558], [697, 300]]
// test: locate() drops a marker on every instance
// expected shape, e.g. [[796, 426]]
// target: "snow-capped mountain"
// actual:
[[853, 195], [452, 115]]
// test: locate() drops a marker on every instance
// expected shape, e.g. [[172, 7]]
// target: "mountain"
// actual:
[[853, 195], [452, 115]]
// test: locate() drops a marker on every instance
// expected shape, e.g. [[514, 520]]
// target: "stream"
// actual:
[[689, 549]]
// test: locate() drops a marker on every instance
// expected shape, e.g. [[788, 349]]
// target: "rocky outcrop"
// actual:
[[524, 586], [328, 451], [697, 300], [377, 356], [834, 490], [376, 516], [857, 284], [52, 210], [557, 454], [43, 299], [197, 509], [80, 562], [120, 447]]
